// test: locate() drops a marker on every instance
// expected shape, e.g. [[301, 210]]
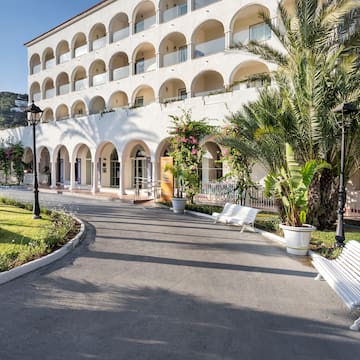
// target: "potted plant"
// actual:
[[290, 186]]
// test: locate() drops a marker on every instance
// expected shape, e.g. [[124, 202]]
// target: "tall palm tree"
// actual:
[[316, 71]]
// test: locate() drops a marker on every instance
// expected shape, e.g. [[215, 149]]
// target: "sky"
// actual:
[[22, 21]]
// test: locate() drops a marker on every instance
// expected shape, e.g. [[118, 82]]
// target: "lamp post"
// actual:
[[35, 116], [345, 109]]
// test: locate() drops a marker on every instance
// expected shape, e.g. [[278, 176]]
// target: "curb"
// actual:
[[12, 274]]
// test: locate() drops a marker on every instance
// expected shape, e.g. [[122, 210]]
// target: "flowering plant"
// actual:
[[187, 152]]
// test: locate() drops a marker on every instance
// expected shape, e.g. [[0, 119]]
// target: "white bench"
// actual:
[[236, 215], [343, 275]]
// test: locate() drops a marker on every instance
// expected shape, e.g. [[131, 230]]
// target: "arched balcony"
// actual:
[[48, 89], [79, 79], [208, 39], [48, 58], [144, 59], [62, 84], [35, 92], [143, 96], [119, 66], [198, 4], [118, 100], [250, 74], [172, 90], [79, 45], [97, 105], [119, 27], [97, 73], [47, 116], [144, 16], [173, 49], [78, 109], [248, 26], [171, 9], [35, 64], [63, 52], [97, 37], [207, 83], [62, 112]]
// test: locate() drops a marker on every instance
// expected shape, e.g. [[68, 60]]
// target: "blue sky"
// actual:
[[23, 20]]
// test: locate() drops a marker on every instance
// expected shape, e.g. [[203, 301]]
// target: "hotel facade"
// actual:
[[108, 79]]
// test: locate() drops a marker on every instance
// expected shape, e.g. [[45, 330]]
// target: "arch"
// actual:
[[97, 36], [119, 27], [78, 108], [62, 52], [247, 25], [143, 95], [62, 112], [172, 90], [79, 45], [44, 166], [211, 167], [62, 84], [208, 38], [289, 5], [144, 58], [173, 49], [35, 64], [144, 16], [35, 92], [207, 83], [62, 166], [48, 88], [109, 167], [97, 73], [27, 160], [97, 105], [48, 115], [171, 9], [83, 168], [119, 66], [118, 99], [79, 79], [48, 58]]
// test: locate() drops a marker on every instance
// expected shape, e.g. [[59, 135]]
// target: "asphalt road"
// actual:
[[148, 284]]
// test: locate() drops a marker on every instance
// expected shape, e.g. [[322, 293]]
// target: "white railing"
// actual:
[[49, 93], [80, 84], [50, 63], [99, 79], [175, 57], [145, 24], [145, 65], [173, 99], [81, 50], [36, 69], [209, 92], [120, 34], [121, 72], [209, 47], [201, 3], [64, 57], [258, 32], [36, 96], [174, 12], [64, 89], [99, 43]]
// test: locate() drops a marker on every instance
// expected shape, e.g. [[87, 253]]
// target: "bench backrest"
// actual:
[[228, 209], [244, 213], [349, 259]]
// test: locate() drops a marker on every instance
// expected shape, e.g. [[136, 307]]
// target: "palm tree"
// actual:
[[316, 71]]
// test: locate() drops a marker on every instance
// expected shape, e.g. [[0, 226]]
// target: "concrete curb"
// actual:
[[12, 274]]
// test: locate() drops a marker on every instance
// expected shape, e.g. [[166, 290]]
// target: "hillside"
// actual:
[[11, 109]]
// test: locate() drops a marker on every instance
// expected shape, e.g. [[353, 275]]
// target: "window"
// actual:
[[259, 32], [182, 53], [140, 66], [182, 94], [139, 101]]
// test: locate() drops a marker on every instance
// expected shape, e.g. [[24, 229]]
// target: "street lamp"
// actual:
[[345, 109], [33, 119]]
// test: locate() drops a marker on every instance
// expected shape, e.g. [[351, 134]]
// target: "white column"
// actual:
[[228, 36], [53, 175], [121, 179], [95, 179], [72, 175]]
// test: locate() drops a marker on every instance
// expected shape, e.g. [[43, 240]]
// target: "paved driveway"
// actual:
[[148, 284]]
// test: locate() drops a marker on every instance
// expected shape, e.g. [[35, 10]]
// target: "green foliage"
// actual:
[[11, 157]]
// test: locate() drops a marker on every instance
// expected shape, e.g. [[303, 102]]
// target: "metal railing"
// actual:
[[146, 189]]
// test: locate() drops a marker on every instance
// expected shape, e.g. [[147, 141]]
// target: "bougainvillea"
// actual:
[[11, 158]]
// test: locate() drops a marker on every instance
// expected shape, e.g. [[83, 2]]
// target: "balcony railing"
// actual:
[[81, 50], [174, 12], [64, 57], [145, 24], [99, 79], [209, 47], [209, 92], [36, 96], [49, 93], [145, 65], [36, 69], [175, 57], [173, 99], [64, 89], [50, 63], [201, 3], [258, 32], [121, 73], [120, 34], [99, 43], [80, 84]]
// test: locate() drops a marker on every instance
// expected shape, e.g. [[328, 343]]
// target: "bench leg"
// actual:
[[318, 277], [356, 325]]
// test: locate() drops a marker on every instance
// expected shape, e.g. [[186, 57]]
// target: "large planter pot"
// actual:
[[178, 205], [297, 238]]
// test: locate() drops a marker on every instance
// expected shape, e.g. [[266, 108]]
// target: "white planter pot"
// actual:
[[178, 205], [297, 238]]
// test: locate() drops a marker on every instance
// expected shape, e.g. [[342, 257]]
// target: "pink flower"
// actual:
[[194, 151], [184, 140], [226, 152]]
